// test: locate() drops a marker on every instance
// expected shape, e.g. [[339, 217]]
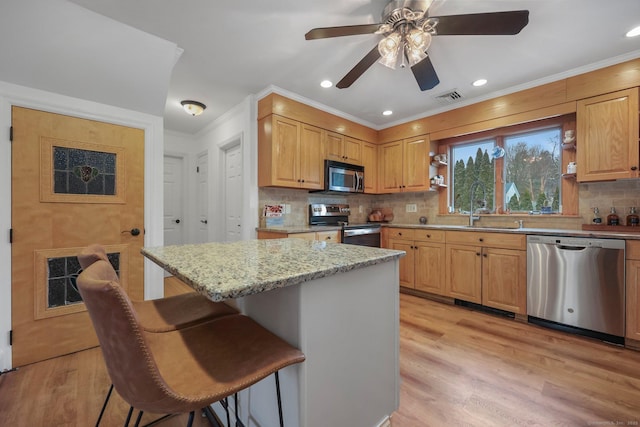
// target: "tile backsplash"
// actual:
[[620, 194]]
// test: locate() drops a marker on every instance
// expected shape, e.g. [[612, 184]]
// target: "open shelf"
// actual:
[[568, 175], [569, 145], [438, 164]]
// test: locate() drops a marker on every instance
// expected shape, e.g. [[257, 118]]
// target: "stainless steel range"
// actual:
[[338, 214]]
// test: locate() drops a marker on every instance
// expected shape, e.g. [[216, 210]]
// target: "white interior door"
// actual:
[[173, 200], [202, 170], [233, 193]]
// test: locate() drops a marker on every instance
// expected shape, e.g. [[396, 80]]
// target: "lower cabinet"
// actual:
[[423, 267], [488, 269], [632, 265]]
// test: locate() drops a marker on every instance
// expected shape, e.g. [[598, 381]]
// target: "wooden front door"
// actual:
[[74, 182]]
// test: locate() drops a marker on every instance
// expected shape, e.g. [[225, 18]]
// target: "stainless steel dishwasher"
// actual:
[[577, 284]]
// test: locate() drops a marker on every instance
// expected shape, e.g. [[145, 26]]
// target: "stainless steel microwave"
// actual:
[[343, 177]]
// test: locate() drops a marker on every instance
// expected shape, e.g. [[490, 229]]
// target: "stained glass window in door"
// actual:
[[77, 171], [61, 280]]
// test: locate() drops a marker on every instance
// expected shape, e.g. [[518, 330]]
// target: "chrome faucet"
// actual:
[[474, 186]]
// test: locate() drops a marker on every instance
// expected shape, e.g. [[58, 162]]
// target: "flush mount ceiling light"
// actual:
[[387, 112], [194, 108], [326, 84], [634, 32], [479, 82]]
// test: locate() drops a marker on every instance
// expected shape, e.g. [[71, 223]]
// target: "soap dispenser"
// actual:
[[612, 218], [633, 219], [596, 216]]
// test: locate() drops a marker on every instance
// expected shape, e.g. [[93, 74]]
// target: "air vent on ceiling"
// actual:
[[449, 97]]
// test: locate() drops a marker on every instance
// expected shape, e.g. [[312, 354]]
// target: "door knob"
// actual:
[[204, 221], [133, 231], [177, 221]]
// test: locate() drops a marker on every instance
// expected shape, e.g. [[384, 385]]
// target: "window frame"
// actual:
[[569, 186]]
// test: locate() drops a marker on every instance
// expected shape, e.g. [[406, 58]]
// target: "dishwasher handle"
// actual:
[[570, 248]]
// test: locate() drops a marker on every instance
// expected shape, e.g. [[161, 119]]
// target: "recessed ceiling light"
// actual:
[[480, 82], [634, 32], [387, 113], [326, 83]]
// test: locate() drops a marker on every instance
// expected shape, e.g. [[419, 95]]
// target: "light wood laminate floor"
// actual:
[[458, 368]]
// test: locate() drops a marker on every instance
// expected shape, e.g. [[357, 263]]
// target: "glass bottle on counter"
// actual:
[[612, 218], [633, 219], [596, 216]]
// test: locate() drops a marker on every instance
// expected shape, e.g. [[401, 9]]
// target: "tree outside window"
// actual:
[[530, 170]]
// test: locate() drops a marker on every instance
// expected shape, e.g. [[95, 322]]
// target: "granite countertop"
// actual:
[[294, 229], [539, 231], [224, 271]]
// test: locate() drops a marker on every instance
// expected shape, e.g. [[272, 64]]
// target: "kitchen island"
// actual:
[[337, 303]]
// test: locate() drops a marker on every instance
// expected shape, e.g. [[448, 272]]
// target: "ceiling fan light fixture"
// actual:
[[417, 39], [389, 48], [194, 108], [414, 55]]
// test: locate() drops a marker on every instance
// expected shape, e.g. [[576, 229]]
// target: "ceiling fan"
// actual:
[[408, 29]]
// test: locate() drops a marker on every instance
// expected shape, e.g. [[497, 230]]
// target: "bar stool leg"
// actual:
[[191, 415], [104, 405], [126, 423], [137, 424], [279, 399]]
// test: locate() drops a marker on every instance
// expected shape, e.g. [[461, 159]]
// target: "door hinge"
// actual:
[[197, 169], [11, 235], [11, 337], [11, 133]]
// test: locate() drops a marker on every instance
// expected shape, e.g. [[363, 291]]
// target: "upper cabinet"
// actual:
[[404, 165], [370, 163], [607, 146], [290, 154], [343, 149]]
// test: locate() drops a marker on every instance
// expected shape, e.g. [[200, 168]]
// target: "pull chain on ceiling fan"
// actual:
[[408, 31]]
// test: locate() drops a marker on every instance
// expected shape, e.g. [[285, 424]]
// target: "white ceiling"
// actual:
[[236, 48]]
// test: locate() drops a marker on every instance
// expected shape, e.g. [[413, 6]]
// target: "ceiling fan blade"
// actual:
[[425, 74], [362, 66], [348, 30], [487, 24]]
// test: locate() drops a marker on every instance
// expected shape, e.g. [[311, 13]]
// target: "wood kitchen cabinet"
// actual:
[[343, 148], [370, 163], [404, 165], [607, 134], [423, 268], [632, 271], [488, 269], [290, 154]]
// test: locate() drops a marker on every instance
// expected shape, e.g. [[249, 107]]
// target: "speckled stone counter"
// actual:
[[231, 270]]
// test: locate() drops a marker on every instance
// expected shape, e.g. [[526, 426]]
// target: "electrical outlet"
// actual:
[[412, 207], [360, 209]]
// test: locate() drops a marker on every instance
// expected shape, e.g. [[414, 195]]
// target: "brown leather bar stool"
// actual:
[[181, 370], [164, 314]]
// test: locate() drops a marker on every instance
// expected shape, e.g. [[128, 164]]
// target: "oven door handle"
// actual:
[[360, 232]]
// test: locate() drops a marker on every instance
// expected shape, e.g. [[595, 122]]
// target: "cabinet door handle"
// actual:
[[477, 253], [428, 236], [481, 239], [634, 168]]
